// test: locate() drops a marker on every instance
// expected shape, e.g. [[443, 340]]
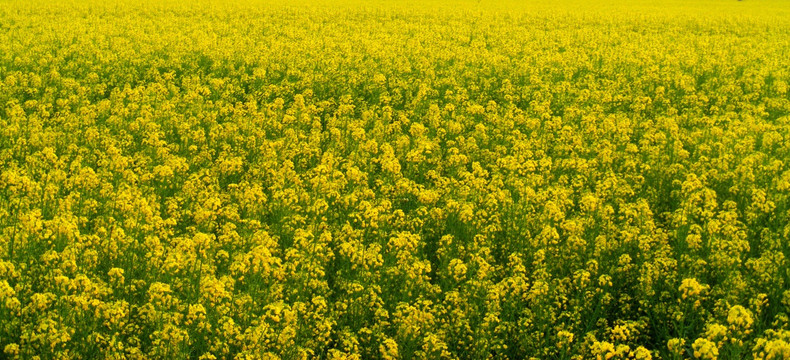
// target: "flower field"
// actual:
[[438, 179]]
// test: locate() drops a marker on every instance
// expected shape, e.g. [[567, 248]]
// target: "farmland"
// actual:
[[442, 179]]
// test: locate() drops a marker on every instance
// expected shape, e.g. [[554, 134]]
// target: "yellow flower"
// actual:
[[705, 349], [457, 269], [621, 333], [6, 291], [641, 353], [740, 318], [389, 350], [12, 350], [603, 350], [116, 274], [565, 337], [691, 288], [716, 333]]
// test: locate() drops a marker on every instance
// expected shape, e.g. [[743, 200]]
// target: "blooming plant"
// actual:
[[348, 179]]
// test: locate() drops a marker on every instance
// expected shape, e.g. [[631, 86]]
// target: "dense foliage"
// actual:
[[371, 180]]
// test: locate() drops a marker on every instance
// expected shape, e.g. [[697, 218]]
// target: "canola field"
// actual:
[[438, 179]]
